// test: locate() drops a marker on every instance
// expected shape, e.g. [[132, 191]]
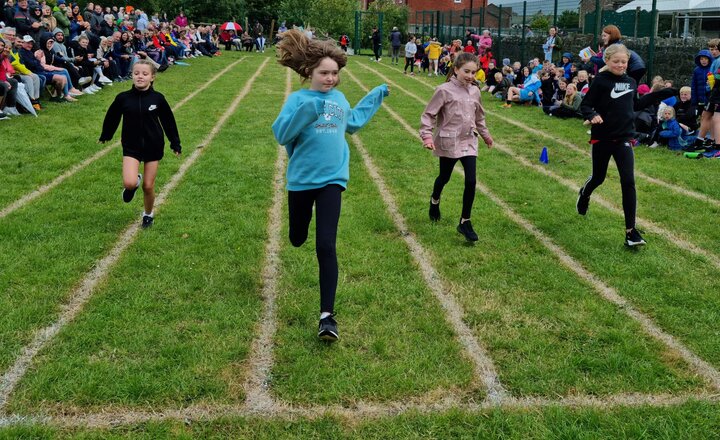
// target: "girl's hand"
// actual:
[[429, 144], [597, 119], [489, 142]]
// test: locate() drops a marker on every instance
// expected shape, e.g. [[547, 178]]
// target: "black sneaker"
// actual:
[[466, 229], [327, 329], [633, 238], [582, 202], [434, 211], [147, 221], [128, 194]]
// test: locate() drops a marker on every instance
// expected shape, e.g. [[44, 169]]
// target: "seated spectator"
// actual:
[[527, 94], [469, 47], [670, 130], [685, 111], [8, 84], [547, 87], [246, 42], [566, 64], [491, 83], [46, 58], [569, 106], [508, 73], [583, 80], [56, 80], [32, 82], [502, 86], [521, 76], [107, 63]]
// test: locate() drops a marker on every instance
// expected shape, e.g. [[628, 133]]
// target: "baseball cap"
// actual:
[[28, 39]]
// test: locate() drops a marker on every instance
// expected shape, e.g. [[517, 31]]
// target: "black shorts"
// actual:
[[143, 156], [713, 108]]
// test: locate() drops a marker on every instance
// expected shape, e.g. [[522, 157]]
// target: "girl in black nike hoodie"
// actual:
[[145, 114], [609, 107]]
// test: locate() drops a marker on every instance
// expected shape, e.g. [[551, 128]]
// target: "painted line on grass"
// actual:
[[659, 182], [647, 224], [80, 296], [257, 396], [29, 197], [357, 413], [484, 366], [709, 373]]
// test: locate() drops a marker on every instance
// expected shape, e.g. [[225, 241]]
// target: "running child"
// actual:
[[146, 115], [609, 108], [456, 114], [312, 126]]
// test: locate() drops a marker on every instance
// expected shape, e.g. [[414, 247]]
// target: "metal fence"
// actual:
[[523, 24]]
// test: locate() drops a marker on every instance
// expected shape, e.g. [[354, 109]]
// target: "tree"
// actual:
[[334, 17], [540, 22], [569, 20], [295, 11]]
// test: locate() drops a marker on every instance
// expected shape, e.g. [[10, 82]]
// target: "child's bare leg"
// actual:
[[130, 172], [149, 185]]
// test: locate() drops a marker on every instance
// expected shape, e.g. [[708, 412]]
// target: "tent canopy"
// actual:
[[669, 6]]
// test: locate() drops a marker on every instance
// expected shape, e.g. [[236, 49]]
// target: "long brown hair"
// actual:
[[303, 55], [460, 60]]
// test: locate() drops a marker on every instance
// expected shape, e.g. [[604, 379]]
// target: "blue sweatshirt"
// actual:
[[312, 126]]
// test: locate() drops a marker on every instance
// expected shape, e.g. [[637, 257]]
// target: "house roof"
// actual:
[[674, 6]]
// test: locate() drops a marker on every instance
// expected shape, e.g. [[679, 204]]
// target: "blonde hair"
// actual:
[[612, 50], [685, 89], [303, 55], [669, 109], [569, 99], [145, 62]]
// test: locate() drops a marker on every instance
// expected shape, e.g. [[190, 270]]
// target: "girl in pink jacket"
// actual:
[[457, 115]]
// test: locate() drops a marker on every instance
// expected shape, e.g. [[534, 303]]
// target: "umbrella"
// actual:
[[231, 26], [24, 100]]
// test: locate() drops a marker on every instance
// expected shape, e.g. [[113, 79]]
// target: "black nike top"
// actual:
[[613, 98], [145, 114]]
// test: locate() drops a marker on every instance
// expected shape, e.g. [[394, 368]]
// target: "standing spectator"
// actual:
[[699, 85], [552, 46], [434, 49], [47, 19], [344, 41], [410, 51], [377, 43], [61, 17], [181, 20], [484, 43], [8, 13], [611, 35], [88, 12], [395, 43], [25, 21], [472, 39]]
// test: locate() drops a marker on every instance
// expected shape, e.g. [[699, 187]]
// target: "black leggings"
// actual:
[[410, 62], [624, 157], [446, 168], [327, 201], [377, 50]]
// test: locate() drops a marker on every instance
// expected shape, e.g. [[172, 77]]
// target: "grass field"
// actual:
[[204, 325]]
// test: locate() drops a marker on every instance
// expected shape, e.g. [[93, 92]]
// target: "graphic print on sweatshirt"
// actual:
[[620, 89], [332, 116]]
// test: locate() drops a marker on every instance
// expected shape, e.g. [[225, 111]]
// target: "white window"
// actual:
[[457, 1]]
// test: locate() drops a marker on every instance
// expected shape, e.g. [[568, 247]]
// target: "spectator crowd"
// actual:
[[60, 53]]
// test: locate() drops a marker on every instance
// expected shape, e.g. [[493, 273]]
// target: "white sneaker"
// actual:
[[12, 111], [88, 91], [653, 145], [105, 80], [85, 80]]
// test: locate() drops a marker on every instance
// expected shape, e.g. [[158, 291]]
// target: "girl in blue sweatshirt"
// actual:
[[312, 126]]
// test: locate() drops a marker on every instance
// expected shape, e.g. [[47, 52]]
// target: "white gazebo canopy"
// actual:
[[669, 6]]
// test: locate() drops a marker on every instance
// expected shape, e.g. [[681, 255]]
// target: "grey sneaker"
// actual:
[[582, 203]]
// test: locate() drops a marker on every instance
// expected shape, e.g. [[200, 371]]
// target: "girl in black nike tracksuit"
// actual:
[[609, 107], [145, 114]]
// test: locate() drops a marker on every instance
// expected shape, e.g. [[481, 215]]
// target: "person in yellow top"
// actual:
[[480, 76], [33, 83], [434, 50]]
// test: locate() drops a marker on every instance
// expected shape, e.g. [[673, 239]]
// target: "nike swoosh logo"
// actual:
[[616, 95]]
